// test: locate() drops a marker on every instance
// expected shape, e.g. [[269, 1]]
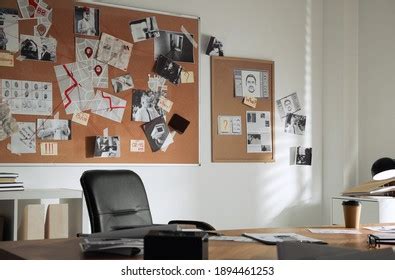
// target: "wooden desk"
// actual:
[[68, 249]]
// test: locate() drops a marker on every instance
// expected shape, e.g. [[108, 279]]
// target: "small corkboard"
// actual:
[[233, 148], [114, 20]]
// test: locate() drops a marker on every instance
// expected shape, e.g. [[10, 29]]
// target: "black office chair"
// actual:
[[116, 199]]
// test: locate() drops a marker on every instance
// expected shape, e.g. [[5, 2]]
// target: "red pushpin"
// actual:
[[88, 52], [98, 69]]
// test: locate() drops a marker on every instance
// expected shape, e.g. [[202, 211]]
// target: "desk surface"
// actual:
[[68, 249]]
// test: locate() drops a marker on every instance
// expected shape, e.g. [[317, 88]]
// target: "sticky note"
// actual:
[[81, 118]]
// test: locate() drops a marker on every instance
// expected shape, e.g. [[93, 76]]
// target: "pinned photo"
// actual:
[[145, 106], [53, 129], [107, 146], [295, 124], [250, 83], [122, 83], [86, 21], [174, 45], [301, 155], [38, 48], [9, 30], [156, 132], [288, 105], [214, 47], [114, 51], [168, 69], [144, 29]]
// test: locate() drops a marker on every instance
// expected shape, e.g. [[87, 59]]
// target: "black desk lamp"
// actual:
[[383, 168]]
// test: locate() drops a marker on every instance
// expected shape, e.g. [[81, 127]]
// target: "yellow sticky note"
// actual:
[[81, 118], [187, 77], [250, 101], [6, 59]]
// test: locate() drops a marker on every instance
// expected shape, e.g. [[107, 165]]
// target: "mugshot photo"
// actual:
[[174, 45], [144, 29], [288, 105], [86, 21]]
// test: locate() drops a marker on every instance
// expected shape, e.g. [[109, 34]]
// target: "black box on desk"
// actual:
[[176, 245]]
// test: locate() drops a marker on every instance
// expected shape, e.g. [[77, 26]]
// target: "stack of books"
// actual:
[[8, 182]]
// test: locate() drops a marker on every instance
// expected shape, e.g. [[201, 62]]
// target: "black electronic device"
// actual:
[[176, 245], [178, 123]]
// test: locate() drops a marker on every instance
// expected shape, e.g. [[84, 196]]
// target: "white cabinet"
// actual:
[[12, 204], [375, 209]]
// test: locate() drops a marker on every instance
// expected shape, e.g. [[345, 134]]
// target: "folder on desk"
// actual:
[[135, 232]]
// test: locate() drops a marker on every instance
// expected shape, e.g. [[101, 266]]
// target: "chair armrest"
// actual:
[[198, 224]]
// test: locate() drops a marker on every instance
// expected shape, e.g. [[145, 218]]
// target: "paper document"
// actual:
[[333, 231], [387, 229], [274, 238], [231, 238]]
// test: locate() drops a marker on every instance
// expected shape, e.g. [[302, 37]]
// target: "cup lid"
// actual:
[[351, 203]]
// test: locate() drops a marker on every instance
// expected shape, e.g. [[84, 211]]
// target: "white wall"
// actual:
[[238, 195], [376, 83], [340, 99]]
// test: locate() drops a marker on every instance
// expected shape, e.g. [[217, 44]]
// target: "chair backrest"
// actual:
[[115, 198]]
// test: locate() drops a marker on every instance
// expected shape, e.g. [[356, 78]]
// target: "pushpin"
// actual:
[[98, 69], [88, 52]]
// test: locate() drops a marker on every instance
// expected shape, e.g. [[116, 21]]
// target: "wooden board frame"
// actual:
[[233, 148], [184, 150]]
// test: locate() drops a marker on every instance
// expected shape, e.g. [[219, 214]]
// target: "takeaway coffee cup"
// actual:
[[352, 213]]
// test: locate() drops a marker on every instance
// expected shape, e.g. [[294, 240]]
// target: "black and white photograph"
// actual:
[[107, 146], [173, 45], [301, 155], [251, 83], [288, 105], [145, 105], [144, 29], [86, 21], [53, 129], [253, 139], [168, 69], [214, 47], [122, 83], [295, 124], [9, 30], [38, 48], [156, 132]]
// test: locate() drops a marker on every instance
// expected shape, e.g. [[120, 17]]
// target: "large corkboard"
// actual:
[[233, 148], [114, 20]]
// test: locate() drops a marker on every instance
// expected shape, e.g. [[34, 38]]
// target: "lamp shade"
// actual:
[[383, 168]]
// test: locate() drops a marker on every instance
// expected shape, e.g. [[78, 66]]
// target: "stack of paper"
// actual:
[[8, 182]]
